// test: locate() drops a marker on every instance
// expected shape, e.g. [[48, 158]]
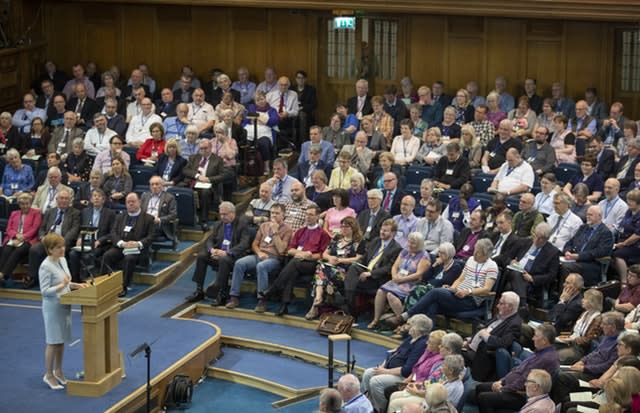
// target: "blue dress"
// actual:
[[57, 317]]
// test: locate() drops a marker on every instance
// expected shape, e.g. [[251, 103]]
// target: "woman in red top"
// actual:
[[153, 147], [22, 232]]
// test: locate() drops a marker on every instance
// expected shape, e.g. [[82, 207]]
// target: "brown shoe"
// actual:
[[233, 303], [260, 307]]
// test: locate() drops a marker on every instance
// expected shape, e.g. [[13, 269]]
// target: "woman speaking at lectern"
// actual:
[[55, 280]]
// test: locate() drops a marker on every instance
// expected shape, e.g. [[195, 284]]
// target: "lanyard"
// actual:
[[477, 272], [541, 201], [608, 206]]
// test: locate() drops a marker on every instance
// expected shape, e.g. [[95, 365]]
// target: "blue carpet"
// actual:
[[214, 395], [366, 354], [22, 328], [300, 375]]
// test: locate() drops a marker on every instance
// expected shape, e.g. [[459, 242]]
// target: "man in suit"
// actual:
[[165, 106], [465, 242], [392, 195], [539, 261], [99, 217], [115, 120], [131, 237], [569, 306], [45, 99], [612, 128], [374, 268], [228, 242], [51, 73], [604, 156], [224, 85], [371, 219], [360, 104], [527, 218], [162, 207], [207, 170], [302, 171], [83, 106], [46, 195], [597, 109], [361, 156], [627, 164], [505, 241], [135, 82], [500, 332], [184, 93], [592, 241], [62, 138], [61, 219], [438, 94]]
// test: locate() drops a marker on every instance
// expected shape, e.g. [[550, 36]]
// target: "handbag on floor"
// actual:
[[336, 322]]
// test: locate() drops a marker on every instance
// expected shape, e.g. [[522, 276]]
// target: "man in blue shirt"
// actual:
[[23, 117], [354, 400]]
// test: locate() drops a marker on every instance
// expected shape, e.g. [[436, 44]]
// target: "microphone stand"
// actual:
[[147, 354]]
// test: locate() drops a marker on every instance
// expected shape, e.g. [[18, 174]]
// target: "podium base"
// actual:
[[95, 388]]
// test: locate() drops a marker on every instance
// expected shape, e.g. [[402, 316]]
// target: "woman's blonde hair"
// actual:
[[52, 240]]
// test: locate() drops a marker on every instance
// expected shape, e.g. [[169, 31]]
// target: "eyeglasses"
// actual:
[[431, 211], [530, 381], [388, 180]]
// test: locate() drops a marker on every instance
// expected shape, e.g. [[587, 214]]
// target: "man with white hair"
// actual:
[[228, 242], [500, 333], [224, 85], [360, 104], [537, 387], [371, 219], [354, 400], [592, 241], [514, 177], [539, 262]]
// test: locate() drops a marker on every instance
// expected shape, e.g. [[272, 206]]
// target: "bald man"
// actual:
[[514, 176], [613, 207]]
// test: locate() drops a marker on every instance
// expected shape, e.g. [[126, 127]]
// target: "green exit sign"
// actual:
[[344, 23]]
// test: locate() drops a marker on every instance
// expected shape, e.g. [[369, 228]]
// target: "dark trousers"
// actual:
[[353, 286], [567, 382], [114, 258], [89, 259], [205, 199], [223, 265], [490, 401], [590, 272], [37, 254], [11, 257], [441, 301], [288, 275]]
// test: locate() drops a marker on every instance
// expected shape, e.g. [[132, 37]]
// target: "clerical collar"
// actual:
[[313, 227], [134, 214]]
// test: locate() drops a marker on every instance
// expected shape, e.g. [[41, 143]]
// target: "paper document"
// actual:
[[585, 409], [585, 384], [202, 185], [581, 396]]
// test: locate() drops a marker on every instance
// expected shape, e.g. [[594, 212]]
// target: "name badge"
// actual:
[[531, 159], [400, 233], [62, 144], [449, 172], [127, 228], [404, 272], [226, 242], [530, 257], [476, 285], [455, 215], [368, 230], [300, 248], [465, 248], [492, 154], [267, 239], [340, 251]]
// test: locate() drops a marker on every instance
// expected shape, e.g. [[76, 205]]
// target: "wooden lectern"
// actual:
[[100, 306]]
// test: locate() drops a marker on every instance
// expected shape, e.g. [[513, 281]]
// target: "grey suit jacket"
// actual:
[[58, 137], [361, 161], [40, 200], [69, 228], [167, 212]]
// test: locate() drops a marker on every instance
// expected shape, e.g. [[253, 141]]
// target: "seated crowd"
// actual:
[[532, 202]]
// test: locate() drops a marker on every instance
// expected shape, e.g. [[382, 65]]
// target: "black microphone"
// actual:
[[140, 348]]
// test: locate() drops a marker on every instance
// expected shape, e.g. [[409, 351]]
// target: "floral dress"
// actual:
[[331, 277]]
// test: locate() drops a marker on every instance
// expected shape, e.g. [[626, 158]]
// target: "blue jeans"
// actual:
[[251, 263], [441, 301]]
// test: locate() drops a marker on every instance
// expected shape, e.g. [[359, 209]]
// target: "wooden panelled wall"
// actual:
[[453, 49]]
